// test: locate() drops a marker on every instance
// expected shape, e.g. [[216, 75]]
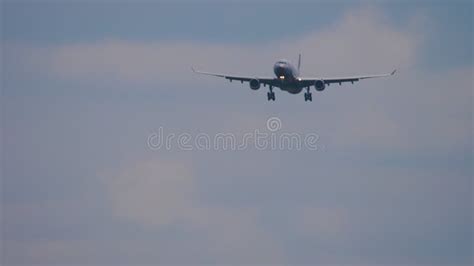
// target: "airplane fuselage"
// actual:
[[287, 75]]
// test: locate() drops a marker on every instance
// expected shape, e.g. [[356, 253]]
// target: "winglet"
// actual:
[[194, 70], [393, 72]]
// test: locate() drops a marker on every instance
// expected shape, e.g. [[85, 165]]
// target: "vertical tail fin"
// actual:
[[299, 62]]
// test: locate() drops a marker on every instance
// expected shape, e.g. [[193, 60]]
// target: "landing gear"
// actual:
[[271, 94], [308, 96]]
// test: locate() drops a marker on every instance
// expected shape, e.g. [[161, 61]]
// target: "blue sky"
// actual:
[[85, 84]]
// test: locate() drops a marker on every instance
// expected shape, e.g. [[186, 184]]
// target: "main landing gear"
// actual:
[[308, 96], [271, 94]]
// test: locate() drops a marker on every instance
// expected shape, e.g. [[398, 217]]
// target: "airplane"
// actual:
[[288, 79]]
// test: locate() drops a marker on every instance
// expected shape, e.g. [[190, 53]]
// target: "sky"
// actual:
[[86, 84]]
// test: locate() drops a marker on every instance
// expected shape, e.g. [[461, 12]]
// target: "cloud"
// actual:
[[256, 207], [361, 42], [418, 112], [159, 194], [156, 192]]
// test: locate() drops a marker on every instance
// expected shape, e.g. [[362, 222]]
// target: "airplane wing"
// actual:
[[340, 80], [263, 80]]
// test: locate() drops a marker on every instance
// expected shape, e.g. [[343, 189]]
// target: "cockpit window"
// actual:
[[281, 62]]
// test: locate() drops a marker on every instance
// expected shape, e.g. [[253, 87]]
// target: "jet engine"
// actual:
[[319, 85], [254, 84]]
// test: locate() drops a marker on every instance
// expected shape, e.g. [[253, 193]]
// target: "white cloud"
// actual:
[[414, 112], [417, 112], [361, 42], [157, 193]]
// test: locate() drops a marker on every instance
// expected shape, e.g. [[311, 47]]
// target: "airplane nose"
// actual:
[[279, 70]]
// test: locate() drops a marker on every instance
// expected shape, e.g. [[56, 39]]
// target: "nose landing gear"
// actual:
[[271, 94], [308, 96]]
